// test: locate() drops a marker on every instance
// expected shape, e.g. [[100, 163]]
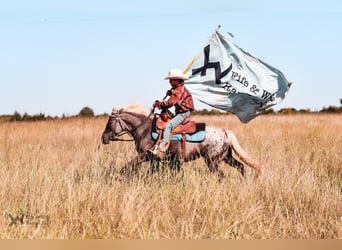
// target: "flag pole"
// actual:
[[189, 65]]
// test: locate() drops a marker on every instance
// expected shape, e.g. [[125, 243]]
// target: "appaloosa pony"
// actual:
[[216, 146]]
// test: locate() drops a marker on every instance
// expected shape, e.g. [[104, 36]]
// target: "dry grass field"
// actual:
[[53, 186]]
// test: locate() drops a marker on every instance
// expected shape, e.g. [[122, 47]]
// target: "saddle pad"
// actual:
[[195, 137]]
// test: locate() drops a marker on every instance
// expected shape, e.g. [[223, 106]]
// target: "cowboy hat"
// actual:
[[176, 74]]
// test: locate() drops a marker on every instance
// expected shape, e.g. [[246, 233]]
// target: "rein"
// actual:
[[124, 127]]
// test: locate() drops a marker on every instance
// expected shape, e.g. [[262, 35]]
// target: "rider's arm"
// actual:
[[174, 98]]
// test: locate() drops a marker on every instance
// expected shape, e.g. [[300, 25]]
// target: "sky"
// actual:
[[57, 57]]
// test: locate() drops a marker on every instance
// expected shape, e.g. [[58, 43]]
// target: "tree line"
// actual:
[[89, 112], [17, 117]]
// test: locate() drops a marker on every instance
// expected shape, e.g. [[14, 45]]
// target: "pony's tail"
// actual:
[[242, 154]]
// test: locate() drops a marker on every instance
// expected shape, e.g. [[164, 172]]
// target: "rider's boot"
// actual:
[[163, 147]]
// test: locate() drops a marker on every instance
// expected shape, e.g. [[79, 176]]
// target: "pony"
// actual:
[[137, 121]]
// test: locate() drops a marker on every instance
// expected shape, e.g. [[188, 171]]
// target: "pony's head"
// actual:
[[119, 124]]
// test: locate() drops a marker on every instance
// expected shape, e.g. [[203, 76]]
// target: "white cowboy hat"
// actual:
[[176, 74]]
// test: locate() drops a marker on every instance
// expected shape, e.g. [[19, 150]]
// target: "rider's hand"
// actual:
[[156, 104], [169, 92]]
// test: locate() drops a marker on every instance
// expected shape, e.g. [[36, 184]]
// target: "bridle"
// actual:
[[124, 128]]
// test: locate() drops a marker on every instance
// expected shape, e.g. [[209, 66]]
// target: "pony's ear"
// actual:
[[115, 111]]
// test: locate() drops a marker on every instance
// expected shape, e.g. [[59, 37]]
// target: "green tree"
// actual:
[[16, 117], [86, 112]]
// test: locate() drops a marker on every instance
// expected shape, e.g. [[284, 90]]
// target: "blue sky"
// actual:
[[57, 57]]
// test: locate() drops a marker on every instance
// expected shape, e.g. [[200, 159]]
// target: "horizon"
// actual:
[[205, 109]]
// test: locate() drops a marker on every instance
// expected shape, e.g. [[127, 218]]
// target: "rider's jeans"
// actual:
[[178, 119]]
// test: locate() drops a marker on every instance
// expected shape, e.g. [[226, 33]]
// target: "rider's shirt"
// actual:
[[181, 98]]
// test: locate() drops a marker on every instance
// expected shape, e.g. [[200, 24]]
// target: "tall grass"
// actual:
[[53, 184]]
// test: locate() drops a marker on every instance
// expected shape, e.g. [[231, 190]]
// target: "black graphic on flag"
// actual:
[[216, 65]]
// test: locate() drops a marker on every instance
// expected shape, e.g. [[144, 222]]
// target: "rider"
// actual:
[[181, 99]]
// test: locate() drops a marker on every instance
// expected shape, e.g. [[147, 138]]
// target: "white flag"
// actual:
[[225, 77]]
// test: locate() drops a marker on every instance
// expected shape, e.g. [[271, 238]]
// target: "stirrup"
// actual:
[[153, 150]]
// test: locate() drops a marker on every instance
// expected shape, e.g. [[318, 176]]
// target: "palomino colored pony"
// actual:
[[217, 145]]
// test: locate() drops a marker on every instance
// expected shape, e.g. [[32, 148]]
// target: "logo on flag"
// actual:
[[225, 77]]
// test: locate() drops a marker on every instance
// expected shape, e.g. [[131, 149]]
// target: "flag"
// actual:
[[228, 78]]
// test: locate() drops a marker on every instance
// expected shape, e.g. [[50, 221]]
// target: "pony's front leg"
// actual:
[[133, 165]]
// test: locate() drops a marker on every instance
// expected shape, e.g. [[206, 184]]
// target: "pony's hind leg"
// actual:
[[213, 166], [229, 159]]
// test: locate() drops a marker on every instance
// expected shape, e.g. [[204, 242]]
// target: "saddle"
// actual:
[[188, 130]]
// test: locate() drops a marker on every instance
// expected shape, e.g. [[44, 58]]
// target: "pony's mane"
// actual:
[[136, 108]]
